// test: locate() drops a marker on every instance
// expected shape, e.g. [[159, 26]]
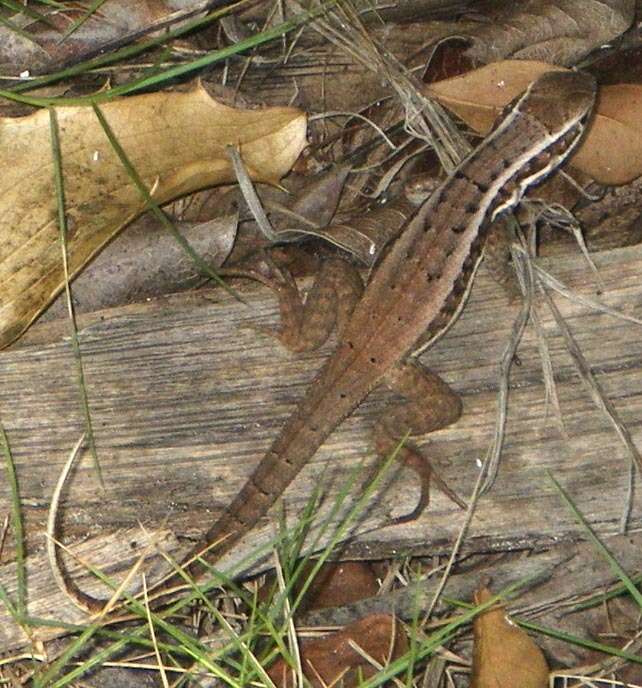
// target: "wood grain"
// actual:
[[185, 398]]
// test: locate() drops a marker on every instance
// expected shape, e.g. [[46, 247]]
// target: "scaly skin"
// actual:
[[415, 293]]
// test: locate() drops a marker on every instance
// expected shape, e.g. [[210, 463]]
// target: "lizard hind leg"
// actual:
[[430, 405]]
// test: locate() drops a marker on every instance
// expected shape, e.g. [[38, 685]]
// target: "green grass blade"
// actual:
[[95, 5], [602, 597], [156, 80], [340, 531], [62, 225], [219, 55], [28, 11], [126, 52], [441, 636], [186, 644], [6, 600], [16, 29], [599, 546], [44, 678], [18, 531], [581, 642], [357, 509]]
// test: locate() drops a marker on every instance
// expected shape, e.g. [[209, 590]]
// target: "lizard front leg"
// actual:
[[497, 257], [430, 404], [306, 324]]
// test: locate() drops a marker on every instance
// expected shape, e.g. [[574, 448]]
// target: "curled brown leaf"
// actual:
[[556, 31]]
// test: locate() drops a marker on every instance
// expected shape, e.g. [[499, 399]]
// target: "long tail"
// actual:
[[321, 411]]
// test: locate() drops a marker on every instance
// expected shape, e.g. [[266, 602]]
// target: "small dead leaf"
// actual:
[[611, 150], [615, 219], [146, 261], [557, 31], [44, 46], [504, 656], [328, 659], [176, 142], [317, 201], [335, 584], [340, 584]]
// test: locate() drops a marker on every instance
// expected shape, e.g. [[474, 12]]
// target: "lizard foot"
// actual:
[[430, 405], [411, 456]]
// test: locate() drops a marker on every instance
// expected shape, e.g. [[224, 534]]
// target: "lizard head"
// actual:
[[554, 110], [560, 101], [551, 116]]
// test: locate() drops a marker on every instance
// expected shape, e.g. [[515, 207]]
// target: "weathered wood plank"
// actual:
[[185, 398]]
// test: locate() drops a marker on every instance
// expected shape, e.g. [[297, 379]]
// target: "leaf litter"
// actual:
[[411, 100]]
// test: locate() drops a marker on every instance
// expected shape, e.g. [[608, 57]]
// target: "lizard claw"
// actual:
[[411, 456]]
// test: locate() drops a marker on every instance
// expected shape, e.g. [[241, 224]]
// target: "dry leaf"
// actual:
[[332, 658], [316, 201], [176, 142], [479, 96], [112, 21], [334, 585], [338, 584], [504, 656], [556, 31], [146, 261], [611, 151], [615, 219]]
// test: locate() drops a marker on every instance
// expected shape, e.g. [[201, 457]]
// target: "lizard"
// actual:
[[416, 292]]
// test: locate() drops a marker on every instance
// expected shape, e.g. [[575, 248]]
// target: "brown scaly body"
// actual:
[[415, 293]]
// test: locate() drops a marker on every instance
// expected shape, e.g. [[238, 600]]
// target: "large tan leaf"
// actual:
[[504, 656], [177, 143], [611, 151]]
